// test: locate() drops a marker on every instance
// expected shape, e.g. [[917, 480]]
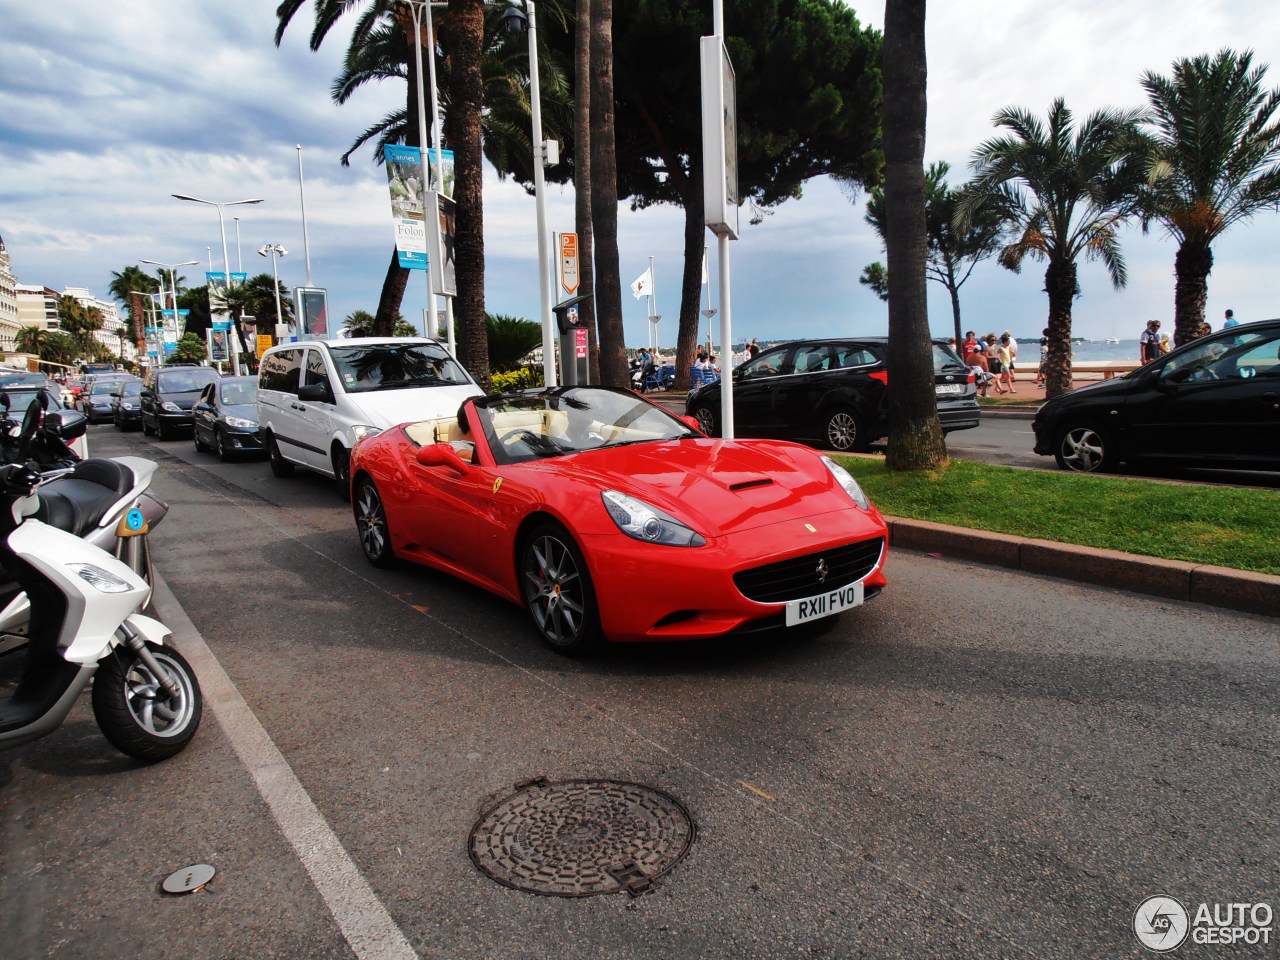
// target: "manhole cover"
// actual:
[[577, 838]]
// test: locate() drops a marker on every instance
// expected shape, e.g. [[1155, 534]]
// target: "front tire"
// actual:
[[371, 524], [220, 445], [340, 456], [280, 467], [1083, 448], [195, 438], [133, 711], [558, 592], [844, 431], [146, 430], [708, 419]]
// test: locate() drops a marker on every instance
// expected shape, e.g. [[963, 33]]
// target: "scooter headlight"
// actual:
[[99, 579]]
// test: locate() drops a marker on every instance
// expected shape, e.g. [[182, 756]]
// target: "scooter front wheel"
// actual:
[[134, 712]]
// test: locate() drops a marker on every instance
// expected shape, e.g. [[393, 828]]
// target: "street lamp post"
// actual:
[[226, 262], [416, 10], [150, 295], [516, 20], [273, 250], [173, 283]]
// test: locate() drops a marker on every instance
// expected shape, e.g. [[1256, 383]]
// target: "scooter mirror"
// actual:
[[65, 424]]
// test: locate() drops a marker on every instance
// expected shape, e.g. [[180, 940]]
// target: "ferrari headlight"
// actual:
[[850, 485], [363, 431], [242, 423], [641, 521]]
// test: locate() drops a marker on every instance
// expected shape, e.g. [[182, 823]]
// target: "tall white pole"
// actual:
[[302, 200], [415, 11], [226, 265], [437, 146], [275, 272], [239, 261], [539, 193]]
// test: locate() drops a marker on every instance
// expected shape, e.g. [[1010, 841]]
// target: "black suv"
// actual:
[[168, 394], [831, 392]]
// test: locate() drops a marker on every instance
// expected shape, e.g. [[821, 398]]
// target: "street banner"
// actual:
[[219, 318], [443, 211], [719, 139], [218, 349], [311, 312], [406, 185]]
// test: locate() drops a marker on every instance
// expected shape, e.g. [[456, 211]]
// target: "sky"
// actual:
[[106, 109]]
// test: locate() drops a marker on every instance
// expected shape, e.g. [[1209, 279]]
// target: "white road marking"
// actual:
[[364, 921]]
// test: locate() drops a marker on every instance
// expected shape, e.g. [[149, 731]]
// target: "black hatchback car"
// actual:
[[1214, 402], [831, 392], [225, 418]]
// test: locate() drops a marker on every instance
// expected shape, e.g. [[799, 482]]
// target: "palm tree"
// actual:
[[915, 433], [604, 200], [953, 250], [1063, 193], [124, 286], [1215, 160]]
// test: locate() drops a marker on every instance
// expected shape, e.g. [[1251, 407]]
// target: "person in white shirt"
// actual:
[[1013, 353]]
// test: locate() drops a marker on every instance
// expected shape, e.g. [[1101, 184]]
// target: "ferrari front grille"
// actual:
[[810, 575]]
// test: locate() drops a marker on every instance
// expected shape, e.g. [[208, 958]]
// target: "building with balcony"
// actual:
[[8, 301]]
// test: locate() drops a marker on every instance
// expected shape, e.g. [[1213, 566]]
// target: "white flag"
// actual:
[[704, 266], [643, 285]]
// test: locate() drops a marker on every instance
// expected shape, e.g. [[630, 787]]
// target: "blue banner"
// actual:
[[407, 187]]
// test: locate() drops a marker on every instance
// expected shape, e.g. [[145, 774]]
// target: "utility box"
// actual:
[[575, 357]]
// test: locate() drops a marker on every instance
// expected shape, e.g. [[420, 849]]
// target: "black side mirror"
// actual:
[[65, 424]]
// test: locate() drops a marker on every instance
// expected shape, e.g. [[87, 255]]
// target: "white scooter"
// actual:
[[85, 626], [88, 498]]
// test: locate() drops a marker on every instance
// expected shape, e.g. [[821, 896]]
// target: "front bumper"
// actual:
[[238, 439], [647, 592]]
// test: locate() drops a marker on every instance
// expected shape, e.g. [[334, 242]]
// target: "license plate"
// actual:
[[825, 604], [950, 388]]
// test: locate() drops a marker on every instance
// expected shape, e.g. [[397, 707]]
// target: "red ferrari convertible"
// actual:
[[609, 518]]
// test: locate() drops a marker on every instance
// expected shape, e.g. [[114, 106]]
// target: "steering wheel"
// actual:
[[527, 436], [1202, 372]]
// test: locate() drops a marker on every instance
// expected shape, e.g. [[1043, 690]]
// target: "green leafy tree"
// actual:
[[191, 348], [953, 249], [1063, 193], [361, 323], [1214, 136], [80, 322], [510, 340], [124, 286], [52, 346], [808, 96], [876, 277]]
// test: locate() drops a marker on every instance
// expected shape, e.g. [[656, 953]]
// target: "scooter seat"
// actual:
[[77, 502]]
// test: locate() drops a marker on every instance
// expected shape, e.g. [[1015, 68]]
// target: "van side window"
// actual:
[[316, 372], [280, 371]]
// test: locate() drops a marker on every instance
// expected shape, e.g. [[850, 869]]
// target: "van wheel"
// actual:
[[341, 457], [280, 467]]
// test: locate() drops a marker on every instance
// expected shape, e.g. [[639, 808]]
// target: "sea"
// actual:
[[1089, 351]]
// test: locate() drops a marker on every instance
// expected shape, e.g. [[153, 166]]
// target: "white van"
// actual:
[[318, 398]]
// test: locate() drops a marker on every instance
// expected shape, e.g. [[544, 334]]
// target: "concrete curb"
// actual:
[[1174, 579]]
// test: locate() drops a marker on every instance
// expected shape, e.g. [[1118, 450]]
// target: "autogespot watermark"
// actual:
[[1162, 923]]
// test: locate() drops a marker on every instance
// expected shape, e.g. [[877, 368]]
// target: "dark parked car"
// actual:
[[98, 402], [126, 404], [830, 392], [168, 394], [225, 418], [1212, 402]]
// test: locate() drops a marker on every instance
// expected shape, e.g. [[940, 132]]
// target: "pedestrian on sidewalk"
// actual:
[[1149, 342], [1005, 355], [1013, 357]]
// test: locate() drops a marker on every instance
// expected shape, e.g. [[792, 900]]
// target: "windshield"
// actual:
[[241, 390], [190, 380], [395, 366], [571, 420], [131, 389], [104, 388]]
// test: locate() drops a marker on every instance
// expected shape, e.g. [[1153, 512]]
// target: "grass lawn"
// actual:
[[1227, 526]]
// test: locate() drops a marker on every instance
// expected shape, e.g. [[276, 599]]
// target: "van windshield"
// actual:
[[395, 366], [189, 380]]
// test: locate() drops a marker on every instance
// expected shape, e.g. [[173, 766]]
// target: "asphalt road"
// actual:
[[977, 764]]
